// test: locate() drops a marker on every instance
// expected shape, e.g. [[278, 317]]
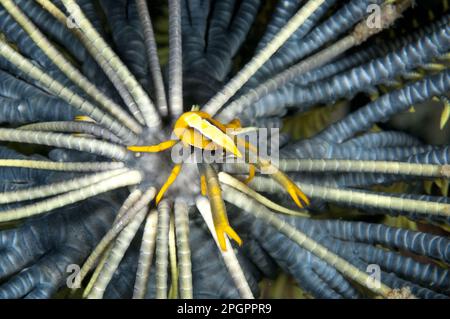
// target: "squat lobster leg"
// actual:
[[172, 177], [282, 179], [153, 148], [220, 218], [293, 190]]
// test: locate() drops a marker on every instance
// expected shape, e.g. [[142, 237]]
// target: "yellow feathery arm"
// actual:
[[220, 218], [172, 177], [153, 148]]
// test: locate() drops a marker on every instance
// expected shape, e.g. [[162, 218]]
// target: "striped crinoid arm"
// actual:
[[173, 259], [360, 34], [58, 89], [61, 166], [181, 215], [252, 207], [105, 66], [228, 255], [162, 250], [126, 178], [382, 167], [175, 91], [135, 203], [115, 255], [145, 256], [358, 198], [68, 69], [102, 250], [354, 166], [216, 103], [235, 183], [90, 129], [57, 188], [152, 53], [98, 147], [145, 105]]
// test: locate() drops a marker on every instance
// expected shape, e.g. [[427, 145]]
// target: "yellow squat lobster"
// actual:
[[200, 130]]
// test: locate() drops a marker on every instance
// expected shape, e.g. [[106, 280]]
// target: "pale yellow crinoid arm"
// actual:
[[219, 213], [172, 177]]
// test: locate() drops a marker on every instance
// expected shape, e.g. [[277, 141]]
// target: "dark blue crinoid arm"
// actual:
[[388, 105], [64, 37], [357, 79], [12, 178], [311, 36], [128, 38], [35, 256], [357, 243], [21, 103], [213, 31]]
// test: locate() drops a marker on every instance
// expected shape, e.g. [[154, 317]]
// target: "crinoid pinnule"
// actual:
[[105, 206]]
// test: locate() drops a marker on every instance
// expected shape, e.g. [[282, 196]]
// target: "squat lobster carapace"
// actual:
[[200, 130]]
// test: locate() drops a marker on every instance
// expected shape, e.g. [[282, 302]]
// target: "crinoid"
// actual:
[[103, 207]]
